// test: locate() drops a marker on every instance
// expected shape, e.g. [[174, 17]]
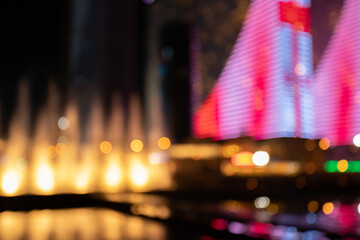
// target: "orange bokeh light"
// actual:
[[105, 147]]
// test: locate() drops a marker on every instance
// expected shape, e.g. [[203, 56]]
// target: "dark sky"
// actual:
[[36, 38], [63, 41], [33, 45]]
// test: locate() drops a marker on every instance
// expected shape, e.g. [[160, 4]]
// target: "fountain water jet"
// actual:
[[57, 160]]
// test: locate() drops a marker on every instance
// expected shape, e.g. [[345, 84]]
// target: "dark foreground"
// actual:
[[165, 215]]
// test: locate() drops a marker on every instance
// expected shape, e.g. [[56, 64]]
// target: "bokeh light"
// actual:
[[63, 139], [262, 202], [237, 228], [63, 123], [136, 145], [251, 183], [300, 69], [10, 181], [229, 150], [148, 2], [219, 224], [60, 149], [342, 165], [328, 208], [310, 145], [310, 168], [356, 140], [164, 143], [51, 151], [260, 158], [310, 218], [273, 209], [324, 143], [105, 147], [313, 206]]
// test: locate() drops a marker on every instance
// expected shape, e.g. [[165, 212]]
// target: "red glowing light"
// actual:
[[261, 229], [206, 118], [219, 224], [297, 16]]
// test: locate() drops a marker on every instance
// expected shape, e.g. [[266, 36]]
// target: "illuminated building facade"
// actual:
[[337, 77], [264, 90]]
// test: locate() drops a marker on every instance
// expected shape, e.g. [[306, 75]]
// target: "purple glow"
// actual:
[[337, 85], [148, 2], [237, 228]]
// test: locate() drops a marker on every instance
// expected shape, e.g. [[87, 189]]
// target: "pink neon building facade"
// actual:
[[265, 88], [337, 85]]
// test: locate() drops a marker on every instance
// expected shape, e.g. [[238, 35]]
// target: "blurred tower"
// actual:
[[104, 60], [337, 87], [264, 90]]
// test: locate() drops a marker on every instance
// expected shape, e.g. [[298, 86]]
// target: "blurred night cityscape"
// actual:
[[180, 119]]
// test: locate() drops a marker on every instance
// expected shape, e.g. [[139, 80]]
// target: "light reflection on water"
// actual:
[[80, 223]]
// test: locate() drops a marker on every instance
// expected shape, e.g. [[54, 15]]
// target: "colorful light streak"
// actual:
[[340, 166], [280, 168]]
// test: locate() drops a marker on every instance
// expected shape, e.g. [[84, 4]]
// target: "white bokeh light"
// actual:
[[262, 202], [356, 140], [260, 158], [63, 123]]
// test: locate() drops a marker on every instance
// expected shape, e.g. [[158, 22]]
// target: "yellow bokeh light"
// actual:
[[164, 143], [60, 148], [105, 147], [313, 206], [328, 208], [51, 151], [324, 143], [230, 150], [113, 175], [44, 177], [139, 175], [273, 209], [342, 165], [136, 145], [10, 182]]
